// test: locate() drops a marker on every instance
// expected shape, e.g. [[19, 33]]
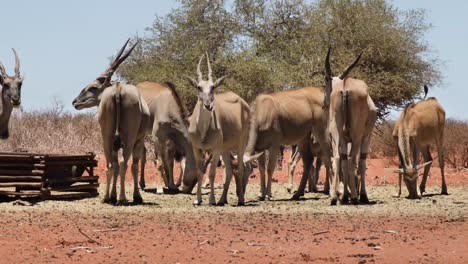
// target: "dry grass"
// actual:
[[53, 131]]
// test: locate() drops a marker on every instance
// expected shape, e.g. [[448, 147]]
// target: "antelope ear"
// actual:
[[191, 81], [219, 82], [396, 170], [423, 165], [249, 159], [101, 79]]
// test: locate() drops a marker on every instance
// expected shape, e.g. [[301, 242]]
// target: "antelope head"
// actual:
[[408, 168], [11, 84], [330, 79], [206, 88], [91, 95]]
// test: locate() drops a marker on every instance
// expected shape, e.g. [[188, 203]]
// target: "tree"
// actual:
[[274, 45]]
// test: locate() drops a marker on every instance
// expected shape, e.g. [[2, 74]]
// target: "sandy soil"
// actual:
[[168, 229]]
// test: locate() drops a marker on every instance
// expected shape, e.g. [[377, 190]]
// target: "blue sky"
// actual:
[[63, 45]]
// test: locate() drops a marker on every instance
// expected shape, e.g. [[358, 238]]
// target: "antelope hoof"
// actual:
[[333, 201], [345, 199], [121, 202], [197, 203], [444, 191], [289, 189], [113, 200], [296, 197], [326, 191], [422, 189], [261, 198], [137, 200], [106, 200], [268, 197], [171, 190], [142, 185], [354, 201], [221, 203], [240, 203], [363, 199]]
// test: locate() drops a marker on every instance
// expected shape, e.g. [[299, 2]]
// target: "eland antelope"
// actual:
[[219, 123], [169, 126], [352, 116], [11, 95], [315, 170], [419, 126], [124, 120], [287, 117]]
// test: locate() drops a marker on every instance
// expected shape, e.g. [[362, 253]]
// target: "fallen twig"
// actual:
[[105, 230], [321, 232], [254, 244], [88, 237], [204, 242]]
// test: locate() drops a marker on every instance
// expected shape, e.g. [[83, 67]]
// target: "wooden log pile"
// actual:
[[48, 176]]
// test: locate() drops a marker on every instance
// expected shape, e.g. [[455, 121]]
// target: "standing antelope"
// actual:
[[419, 126], [315, 170], [11, 95], [219, 123], [288, 118], [352, 116], [124, 119]]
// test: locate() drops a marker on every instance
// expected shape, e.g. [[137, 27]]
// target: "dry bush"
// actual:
[[382, 142], [53, 131], [456, 143]]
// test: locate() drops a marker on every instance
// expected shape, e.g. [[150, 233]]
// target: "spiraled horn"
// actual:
[[200, 77], [3, 71], [350, 67], [17, 63], [210, 76], [328, 71]]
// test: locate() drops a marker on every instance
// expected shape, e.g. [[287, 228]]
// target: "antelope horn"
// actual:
[[426, 89], [402, 159], [121, 57], [200, 77], [210, 77], [423, 165], [119, 53], [349, 68], [328, 71], [17, 63]]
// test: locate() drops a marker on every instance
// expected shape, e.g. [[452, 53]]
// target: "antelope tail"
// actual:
[[117, 143], [345, 110]]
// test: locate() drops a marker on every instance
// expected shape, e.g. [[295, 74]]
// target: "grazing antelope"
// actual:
[[352, 116], [124, 120], [315, 170], [11, 95], [219, 123], [288, 118], [170, 132], [419, 126]]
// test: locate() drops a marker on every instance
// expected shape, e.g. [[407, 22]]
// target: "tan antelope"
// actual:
[[287, 118], [169, 126], [11, 95], [219, 123], [315, 170], [419, 126], [352, 116], [124, 120]]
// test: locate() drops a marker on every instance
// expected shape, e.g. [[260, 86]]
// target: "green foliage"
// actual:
[[273, 45]]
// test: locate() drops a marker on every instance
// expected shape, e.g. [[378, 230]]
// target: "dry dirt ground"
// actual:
[[167, 229]]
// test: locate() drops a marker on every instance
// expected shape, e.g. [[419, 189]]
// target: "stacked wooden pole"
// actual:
[[48, 176]]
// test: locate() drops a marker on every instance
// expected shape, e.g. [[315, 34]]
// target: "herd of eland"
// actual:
[[333, 124]]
